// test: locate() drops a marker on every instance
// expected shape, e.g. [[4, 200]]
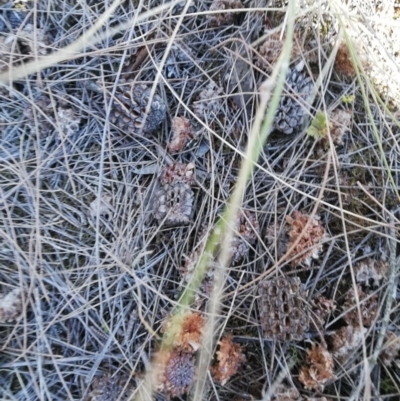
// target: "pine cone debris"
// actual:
[[68, 122], [318, 370], [284, 312], [224, 18], [269, 51], [209, 102], [340, 124], [181, 134], [228, 361], [173, 201], [368, 306], [271, 48], [346, 340], [177, 173], [179, 372], [370, 270], [110, 388], [310, 244], [45, 117], [391, 348], [247, 229], [343, 61], [278, 236], [10, 306], [294, 101], [35, 118], [128, 110], [321, 308]]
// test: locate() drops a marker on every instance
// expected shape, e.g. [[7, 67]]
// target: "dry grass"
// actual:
[[99, 275]]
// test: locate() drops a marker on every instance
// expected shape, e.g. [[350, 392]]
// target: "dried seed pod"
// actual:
[[368, 307], [391, 349], [295, 101], [346, 340], [182, 134], [284, 312], [174, 203], [209, 102], [321, 308], [228, 361], [177, 173], [178, 373], [310, 244], [371, 270], [247, 230], [128, 110], [10, 306], [319, 369], [110, 388], [218, 19]]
